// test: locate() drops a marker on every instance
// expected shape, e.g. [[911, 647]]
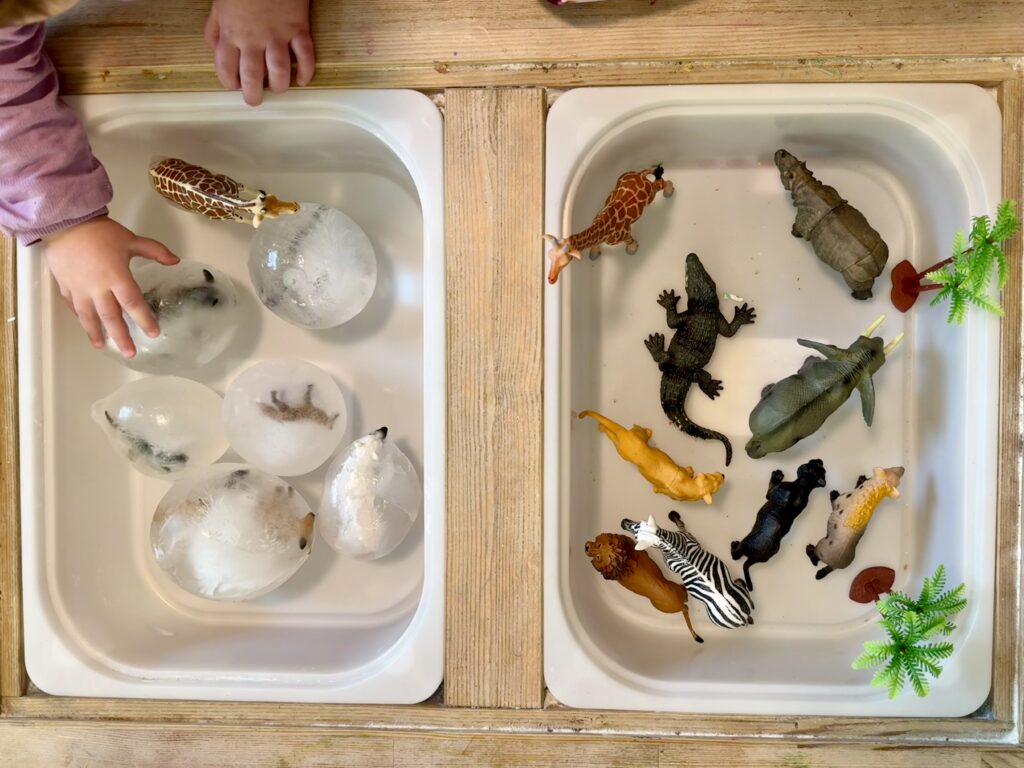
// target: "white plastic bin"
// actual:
[[100, 618], [918, 161]]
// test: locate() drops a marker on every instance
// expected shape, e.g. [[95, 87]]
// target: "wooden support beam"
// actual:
[[12, 669], [494, 177]]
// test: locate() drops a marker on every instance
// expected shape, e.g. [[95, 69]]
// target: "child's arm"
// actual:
[[53, 189], [251, 39]]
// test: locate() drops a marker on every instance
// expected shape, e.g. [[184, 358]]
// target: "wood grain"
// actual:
[[1008, 627], [78, 745], [12, 671], [553, 719], [107, 45], [494, 175]]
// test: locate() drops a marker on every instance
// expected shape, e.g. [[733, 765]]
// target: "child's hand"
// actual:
[[90, 264], [251, 37]]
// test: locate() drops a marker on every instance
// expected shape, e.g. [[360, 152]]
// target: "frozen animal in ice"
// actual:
[[371, 498], [851, 513], [633, 192], [316, 269], [214, 195], [231, 532], [285, 416], [196, 307], [163, 424]]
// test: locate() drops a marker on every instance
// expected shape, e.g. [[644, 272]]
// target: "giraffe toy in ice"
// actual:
[[633, 192]]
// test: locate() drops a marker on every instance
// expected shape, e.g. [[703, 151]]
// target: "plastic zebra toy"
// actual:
[[705, 577]]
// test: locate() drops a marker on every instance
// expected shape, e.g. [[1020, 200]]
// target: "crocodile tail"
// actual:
[[673, 403]]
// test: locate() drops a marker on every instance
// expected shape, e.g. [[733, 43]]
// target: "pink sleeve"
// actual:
[[49, 179]]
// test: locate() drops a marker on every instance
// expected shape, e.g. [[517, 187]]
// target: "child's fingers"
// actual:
[[211, 32], [305, 58], [279, 67], [155, 250], [110, 315], [251, 71], [130, 298], [90, 322], [225, 60]]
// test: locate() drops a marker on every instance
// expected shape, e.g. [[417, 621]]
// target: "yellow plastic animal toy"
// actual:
[[655, 465], [851, 513]]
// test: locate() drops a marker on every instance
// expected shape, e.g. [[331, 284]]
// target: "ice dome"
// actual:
[[285, 416], [163, 425], [316, 268], [231, 532], [371, 498], [197, 309]]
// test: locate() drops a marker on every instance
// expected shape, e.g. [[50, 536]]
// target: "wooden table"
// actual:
[[494, 68]]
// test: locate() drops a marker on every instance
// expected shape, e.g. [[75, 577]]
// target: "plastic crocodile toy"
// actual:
[[851, 513], [696, 332], [784, 503], [797, 406], [633, 192], [655, 465]]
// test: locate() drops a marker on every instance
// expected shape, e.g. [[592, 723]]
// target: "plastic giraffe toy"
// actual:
[[633, 192], [214, 195]]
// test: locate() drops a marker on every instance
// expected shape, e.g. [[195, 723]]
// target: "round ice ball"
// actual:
[[315, 268], [231, 532], [371, 498], [285, 416], [197, 309], [163, 425]]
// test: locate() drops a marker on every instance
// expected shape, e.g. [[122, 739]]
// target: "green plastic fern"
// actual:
[[965, 279], [905, 656]]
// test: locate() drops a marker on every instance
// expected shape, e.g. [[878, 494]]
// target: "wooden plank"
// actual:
[[1008, 626], [28, 744], [456, 73], [494, 175], [108, 46], [553, 719], [12, 670], [366, 34]]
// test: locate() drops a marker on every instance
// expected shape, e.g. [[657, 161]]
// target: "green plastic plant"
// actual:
[[905, 656], [965, 277]]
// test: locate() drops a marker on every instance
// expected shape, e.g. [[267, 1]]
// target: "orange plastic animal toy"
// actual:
[[615, 558], [633, 192], [655, 465], [214, 195]]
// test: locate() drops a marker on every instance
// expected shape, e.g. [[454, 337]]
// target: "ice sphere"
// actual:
[[231, 532], [285, 416], [316, 269], [163, 424], [197, 309], [371, 498]]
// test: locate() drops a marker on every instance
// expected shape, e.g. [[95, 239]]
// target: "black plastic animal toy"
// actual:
[[696, 332], [785, 501]]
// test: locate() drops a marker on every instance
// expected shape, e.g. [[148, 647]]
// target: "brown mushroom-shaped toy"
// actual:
[[871, 583]]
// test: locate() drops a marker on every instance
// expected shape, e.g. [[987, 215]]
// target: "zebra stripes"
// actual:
[[705, 576]]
